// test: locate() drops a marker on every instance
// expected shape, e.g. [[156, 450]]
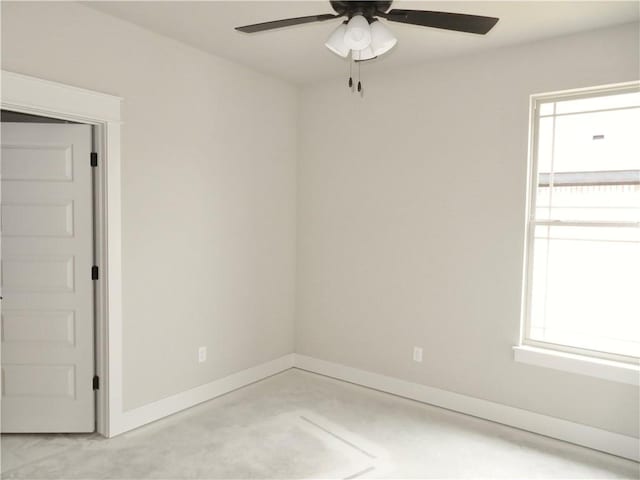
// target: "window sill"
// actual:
[[580, 364]]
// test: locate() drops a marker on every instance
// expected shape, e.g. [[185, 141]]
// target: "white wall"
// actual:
[[208, 192], [411, 223]]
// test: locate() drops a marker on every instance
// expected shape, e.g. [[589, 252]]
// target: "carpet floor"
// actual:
[[302, 425]]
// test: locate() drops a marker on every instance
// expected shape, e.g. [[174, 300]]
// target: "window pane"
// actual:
[[589, 166], [586, 284], [545, 143], [601, 141], [606, 203], [546, 108], [598, 103]]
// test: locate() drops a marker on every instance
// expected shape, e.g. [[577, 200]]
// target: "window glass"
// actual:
[[585, 288], [621, 100]]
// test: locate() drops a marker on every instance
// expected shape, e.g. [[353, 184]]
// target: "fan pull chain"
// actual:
[[350, 75], [359, 84]]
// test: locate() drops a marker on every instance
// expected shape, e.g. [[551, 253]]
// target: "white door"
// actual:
[[47, 255]]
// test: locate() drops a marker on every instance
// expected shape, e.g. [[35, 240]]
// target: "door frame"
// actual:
[[36, 96]]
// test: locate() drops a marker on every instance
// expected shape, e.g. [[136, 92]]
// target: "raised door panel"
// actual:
[[38, 274], [37, 220], [37, 162]]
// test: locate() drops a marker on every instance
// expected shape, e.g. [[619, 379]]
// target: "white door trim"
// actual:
[[25, 94]]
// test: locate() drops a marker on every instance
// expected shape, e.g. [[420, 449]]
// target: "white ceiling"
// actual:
[[298, 54]]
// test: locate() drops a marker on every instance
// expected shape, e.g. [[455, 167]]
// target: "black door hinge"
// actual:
[[94, 272], [94, 159], [96, 382]]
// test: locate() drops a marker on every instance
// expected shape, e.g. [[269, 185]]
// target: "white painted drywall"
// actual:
[[208, 170], [411, 223]]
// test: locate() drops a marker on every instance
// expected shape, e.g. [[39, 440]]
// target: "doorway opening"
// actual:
[[49, 260], [30, 97]]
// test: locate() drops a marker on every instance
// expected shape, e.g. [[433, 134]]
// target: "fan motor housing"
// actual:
[[367, 9]]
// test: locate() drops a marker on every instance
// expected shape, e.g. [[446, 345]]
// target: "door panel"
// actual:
[[36, 162], [47, 254], [39, 326], [39, 381], [19, 220], [37, 273]]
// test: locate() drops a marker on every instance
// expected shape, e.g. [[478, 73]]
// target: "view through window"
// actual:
[[583, 286]]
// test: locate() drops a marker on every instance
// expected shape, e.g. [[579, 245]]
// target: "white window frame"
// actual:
[[615, 367]]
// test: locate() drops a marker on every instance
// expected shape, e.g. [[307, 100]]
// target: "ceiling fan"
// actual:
[[365, 37]]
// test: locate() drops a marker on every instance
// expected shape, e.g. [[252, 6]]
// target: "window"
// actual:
[[582, 286]]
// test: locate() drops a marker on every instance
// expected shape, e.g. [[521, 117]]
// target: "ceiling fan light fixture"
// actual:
[[335, 42], [382, 39], [358, 33], [365, 37]]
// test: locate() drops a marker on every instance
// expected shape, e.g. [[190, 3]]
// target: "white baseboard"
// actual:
[[609, 442], [137, 417]]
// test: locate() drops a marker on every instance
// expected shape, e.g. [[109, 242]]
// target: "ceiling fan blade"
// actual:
[[448, 21], [288, 22]]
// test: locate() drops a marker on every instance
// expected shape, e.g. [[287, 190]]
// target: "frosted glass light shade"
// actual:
[[364, 54], [382, 40], [335, 42], [358, 33]]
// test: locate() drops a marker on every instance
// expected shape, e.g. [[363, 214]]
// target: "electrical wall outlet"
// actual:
[[202, 354], [417, 354]]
